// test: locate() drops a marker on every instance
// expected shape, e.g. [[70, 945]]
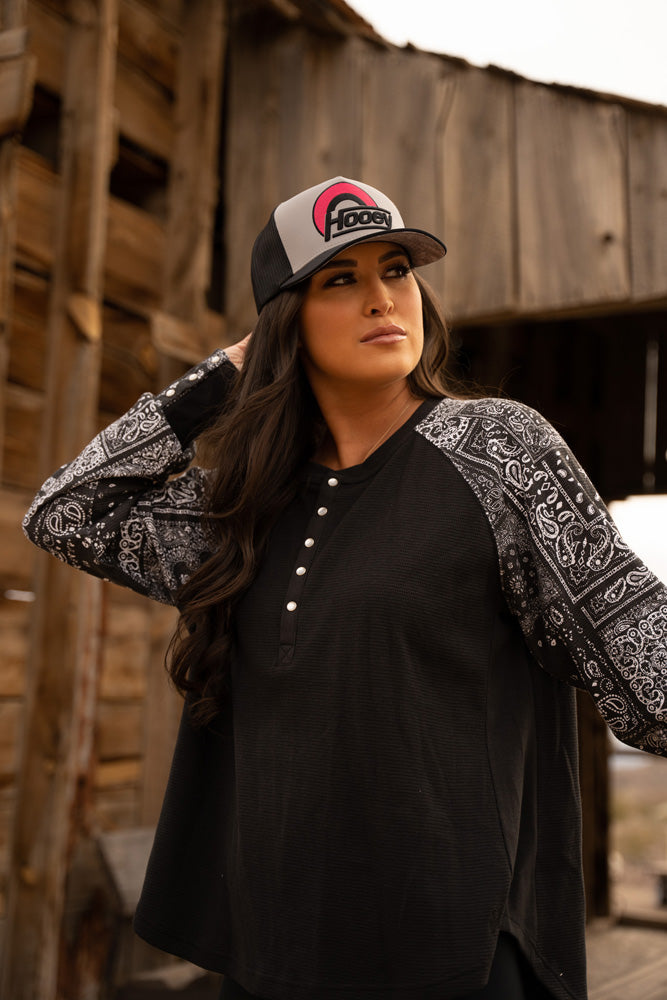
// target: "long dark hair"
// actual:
[[268, 428]]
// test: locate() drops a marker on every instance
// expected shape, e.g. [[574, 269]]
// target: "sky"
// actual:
[[615, 46]]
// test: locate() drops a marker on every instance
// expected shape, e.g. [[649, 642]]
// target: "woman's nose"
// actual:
[[378, 300]]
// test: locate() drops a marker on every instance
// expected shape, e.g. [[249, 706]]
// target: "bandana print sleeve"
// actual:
[[590, 610], [120, 510]]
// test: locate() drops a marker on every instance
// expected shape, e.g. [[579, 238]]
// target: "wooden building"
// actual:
[[142, 145]]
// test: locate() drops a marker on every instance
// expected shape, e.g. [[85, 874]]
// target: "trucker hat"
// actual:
[[309, 229]]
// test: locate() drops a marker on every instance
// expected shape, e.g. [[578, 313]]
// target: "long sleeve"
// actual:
[[121, 510], [590, 610]]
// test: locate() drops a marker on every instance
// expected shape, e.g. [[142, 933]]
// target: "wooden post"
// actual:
[[594, 782], [192, 198], [194, 181], [16, 83], [63, 664]]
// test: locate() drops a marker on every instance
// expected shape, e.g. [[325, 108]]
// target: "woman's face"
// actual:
[[361, 319]]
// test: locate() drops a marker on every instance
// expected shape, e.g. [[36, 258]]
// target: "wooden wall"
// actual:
[[551, 201], [109, 127]]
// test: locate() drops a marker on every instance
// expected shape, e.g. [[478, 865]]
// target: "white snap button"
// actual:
[[309, 542], [301, 570], [322, 511], [333, 481], [291, 606]]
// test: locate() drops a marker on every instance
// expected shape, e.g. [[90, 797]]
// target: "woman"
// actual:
[[386, 595]]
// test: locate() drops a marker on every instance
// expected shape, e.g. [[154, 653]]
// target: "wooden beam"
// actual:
[[193, 187], [181, 333], [8, 201], [15, 93], [162, 712], [64, 660]]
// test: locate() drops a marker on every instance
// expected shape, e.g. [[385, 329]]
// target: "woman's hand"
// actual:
[[236, 352]]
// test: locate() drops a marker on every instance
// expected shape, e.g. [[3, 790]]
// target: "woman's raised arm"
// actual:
[[120, 510]]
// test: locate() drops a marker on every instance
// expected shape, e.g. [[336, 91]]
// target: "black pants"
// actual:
[[511, 979]]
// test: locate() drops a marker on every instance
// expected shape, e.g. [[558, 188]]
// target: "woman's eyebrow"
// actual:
[[392, 253], [353, 263], [339, 263]]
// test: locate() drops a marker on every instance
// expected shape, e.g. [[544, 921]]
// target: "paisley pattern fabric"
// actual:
[[590, 611], [116, 512]]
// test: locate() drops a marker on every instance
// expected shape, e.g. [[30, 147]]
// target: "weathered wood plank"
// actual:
[[119, 730], [149, 42], [163, 711], [145, 111], [185, 341], [115, 808], [126, 645], [252, 186], [14, 628], [322, 81], [17, 76], [129, 360], [271, 156], [12, 14], [27, 339], [477, 151], [16, 82], [7, 805], [17, 555], [10, 719], [117, 774], [48, 29], [64, 663], [37, 190], [135, 239], [193, 180], [134, 257], [170, 10], [23, 435], [572, 200], [7, 252], [411, 84], [647, 167]]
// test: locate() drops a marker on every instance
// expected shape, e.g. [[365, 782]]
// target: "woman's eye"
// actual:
[[339, 279], [398, 271]]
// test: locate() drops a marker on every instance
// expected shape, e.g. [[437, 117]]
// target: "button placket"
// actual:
[[299, 575]]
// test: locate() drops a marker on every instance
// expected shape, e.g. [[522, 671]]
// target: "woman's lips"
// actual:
[[384, 335]]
